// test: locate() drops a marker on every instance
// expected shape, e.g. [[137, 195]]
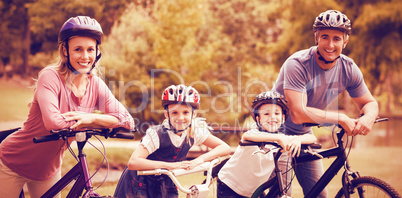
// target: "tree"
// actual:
[[32, 26], [376, 47], [296, 24], [218, 47], [15, 35]]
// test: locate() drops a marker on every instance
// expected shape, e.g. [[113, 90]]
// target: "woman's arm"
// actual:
[[90, 119], [47, 94], [108, 104]]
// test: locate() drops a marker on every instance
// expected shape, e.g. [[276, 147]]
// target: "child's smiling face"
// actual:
[[270, 117], [180, 115]]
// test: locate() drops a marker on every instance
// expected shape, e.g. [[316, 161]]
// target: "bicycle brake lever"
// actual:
[[313, 153], [262, 150]]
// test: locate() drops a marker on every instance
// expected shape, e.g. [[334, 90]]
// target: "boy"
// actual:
[[244, 172]]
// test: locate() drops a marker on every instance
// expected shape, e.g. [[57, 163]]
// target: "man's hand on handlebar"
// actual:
[[360, 126], [363, 125]]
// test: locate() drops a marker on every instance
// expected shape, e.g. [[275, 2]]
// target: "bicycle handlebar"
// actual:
[[338, 125], [206, 166], [261, 144], [120, 132]]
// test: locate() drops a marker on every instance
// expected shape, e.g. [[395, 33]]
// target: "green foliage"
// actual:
[[296, 26], [378, 38], [218, 47], [228, 50]]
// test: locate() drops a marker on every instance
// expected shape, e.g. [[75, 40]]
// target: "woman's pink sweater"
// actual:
[[51, 99]]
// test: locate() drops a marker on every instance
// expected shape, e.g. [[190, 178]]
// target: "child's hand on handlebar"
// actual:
[[185, 164], [195, 162], [294, 147]]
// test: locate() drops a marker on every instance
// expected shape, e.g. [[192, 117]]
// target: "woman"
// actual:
[[66, 96]]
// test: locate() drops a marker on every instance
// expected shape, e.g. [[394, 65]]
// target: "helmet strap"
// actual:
[[323, 59], [175, 131]]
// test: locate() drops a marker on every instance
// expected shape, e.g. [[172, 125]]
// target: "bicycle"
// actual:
[[353, 185], [196, 191], [79, 172]]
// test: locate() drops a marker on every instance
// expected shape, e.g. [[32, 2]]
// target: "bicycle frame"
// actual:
[[79, 172], [339, 162]]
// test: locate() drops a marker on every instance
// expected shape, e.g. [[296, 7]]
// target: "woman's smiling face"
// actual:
[[82, 52]]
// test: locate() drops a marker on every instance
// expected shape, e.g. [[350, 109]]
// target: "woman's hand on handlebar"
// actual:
[[95, 120]]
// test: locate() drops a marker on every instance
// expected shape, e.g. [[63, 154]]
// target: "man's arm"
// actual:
[[300, 113], [369, 109]]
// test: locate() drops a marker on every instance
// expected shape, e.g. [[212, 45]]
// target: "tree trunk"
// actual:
[[388, 84], [26, 46]]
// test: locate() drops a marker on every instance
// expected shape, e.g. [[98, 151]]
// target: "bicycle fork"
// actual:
[[347, 185]]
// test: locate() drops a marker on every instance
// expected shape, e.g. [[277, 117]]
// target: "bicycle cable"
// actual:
[[71, 150], [103, 160], [289, 185]]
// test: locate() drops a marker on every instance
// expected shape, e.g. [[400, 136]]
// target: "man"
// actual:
[[312, 78]]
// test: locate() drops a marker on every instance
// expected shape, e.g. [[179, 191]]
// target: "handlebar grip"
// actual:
[[124, 135], [46, 138], [252, 143]]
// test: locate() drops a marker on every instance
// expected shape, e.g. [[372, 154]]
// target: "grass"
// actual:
[[14, 101]]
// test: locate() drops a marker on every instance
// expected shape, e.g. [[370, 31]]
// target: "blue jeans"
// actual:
[[285, 166], [308, 173], [132, 185], [225, 191]]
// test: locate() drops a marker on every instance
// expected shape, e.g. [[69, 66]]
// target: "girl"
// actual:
[[66, 95], [166, 146]]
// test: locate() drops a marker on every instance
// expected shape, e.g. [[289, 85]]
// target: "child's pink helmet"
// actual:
[[181, 94]]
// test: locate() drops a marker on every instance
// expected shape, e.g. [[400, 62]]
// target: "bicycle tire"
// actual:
[[372, 187], [260, 192]]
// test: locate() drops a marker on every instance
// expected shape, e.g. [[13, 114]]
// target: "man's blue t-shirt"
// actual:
[[301, 73]]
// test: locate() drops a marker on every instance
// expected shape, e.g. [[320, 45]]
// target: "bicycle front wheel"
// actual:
[[267, 189], [369, 187]]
